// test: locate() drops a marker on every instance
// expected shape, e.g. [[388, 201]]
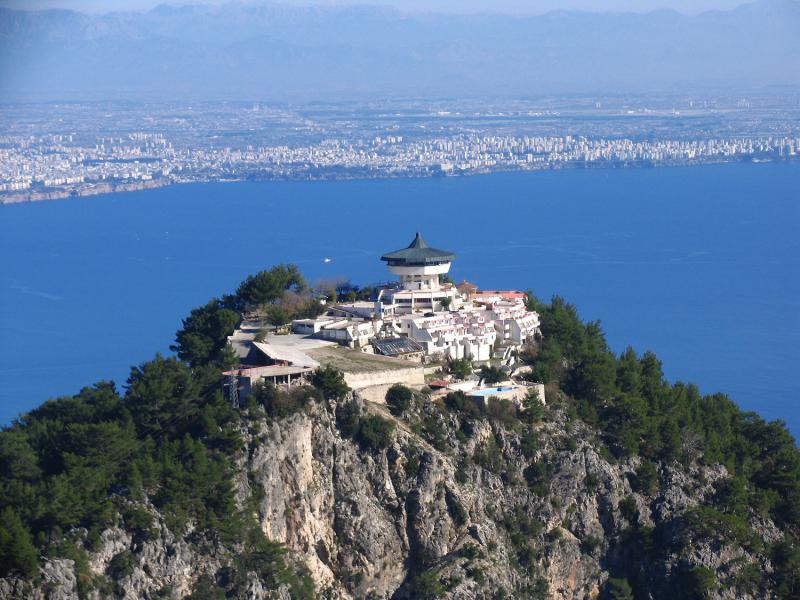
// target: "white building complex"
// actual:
[[350, 332], [420, 290], [385, 341], [438, 319]]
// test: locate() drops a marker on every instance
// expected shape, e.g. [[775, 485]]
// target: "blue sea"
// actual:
[[699, 264]]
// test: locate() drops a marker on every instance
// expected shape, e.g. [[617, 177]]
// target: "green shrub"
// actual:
[[538, 590], [461, 472], [522, 530], [492, 375], [121, 565], [707, 522], [330, 381], [205, 588], [470, 551], [460, 368], [455, 400], [476, 574], [66, 548], [646, 479], [629, 510], [455, 509], [138, 521], [699, 582], [412, 465], [458, 402], [279, 403], [529, 443], [427, 586], [74, 462], [748, 579], [589, 544], [501, 410], [348, 419], [538, 476], [398, 399], [489, 456], [434, 432], [618, 589], [375, 432], [567, 443], [267, 560], [785, 556], [554, 534]]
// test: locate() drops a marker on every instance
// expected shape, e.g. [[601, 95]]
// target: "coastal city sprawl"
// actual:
[[72, 152]]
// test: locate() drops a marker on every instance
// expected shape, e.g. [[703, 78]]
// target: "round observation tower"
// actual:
[[419, 265]]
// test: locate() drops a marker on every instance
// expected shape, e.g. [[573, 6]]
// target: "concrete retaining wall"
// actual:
[[412, 376]]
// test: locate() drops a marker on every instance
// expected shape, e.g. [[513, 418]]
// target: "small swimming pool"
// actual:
[[491, 391]]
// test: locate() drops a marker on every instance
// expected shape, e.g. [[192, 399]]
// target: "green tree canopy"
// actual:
[[398, 398], [492, 375], [460, 368], [532, 407], [266, 287], [163, 396], [330, 381], [204, 334], [375, 432], [17, 553]]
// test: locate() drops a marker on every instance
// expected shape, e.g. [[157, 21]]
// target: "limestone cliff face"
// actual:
[[472, 517]]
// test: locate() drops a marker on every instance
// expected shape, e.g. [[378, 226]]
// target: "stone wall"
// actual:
[[414, 375]]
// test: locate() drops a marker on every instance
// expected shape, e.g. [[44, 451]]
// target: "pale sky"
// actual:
[[449, 6]]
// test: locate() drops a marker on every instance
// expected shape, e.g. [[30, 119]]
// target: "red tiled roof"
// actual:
[[502, 293]]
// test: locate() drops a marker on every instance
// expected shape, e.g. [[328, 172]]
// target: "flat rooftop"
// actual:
[[291, 348], [267, 371], [353, 361], [242, 337], [363, 304], [297, 342]]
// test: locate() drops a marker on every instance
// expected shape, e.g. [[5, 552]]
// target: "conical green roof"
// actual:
[[418, 253]]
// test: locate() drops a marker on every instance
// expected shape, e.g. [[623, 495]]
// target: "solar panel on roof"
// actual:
[[395, 346]]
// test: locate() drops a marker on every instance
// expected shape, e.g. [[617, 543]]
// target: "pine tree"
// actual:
[[17, 552]]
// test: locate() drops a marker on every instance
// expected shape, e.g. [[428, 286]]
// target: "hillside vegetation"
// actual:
[[623, 485]]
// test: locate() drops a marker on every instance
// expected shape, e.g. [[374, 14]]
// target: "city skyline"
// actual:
[[71, 151]]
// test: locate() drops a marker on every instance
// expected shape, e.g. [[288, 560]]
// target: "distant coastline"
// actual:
[[73, 192], [100, 188]]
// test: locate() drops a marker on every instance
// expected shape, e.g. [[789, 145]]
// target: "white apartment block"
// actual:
[[444, 321]]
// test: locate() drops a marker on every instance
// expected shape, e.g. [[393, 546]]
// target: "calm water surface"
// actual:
[[698, 264]]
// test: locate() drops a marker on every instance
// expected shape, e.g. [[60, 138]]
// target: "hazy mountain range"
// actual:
[[272, 51]]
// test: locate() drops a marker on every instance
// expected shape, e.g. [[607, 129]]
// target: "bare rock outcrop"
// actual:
[[453, 508]]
